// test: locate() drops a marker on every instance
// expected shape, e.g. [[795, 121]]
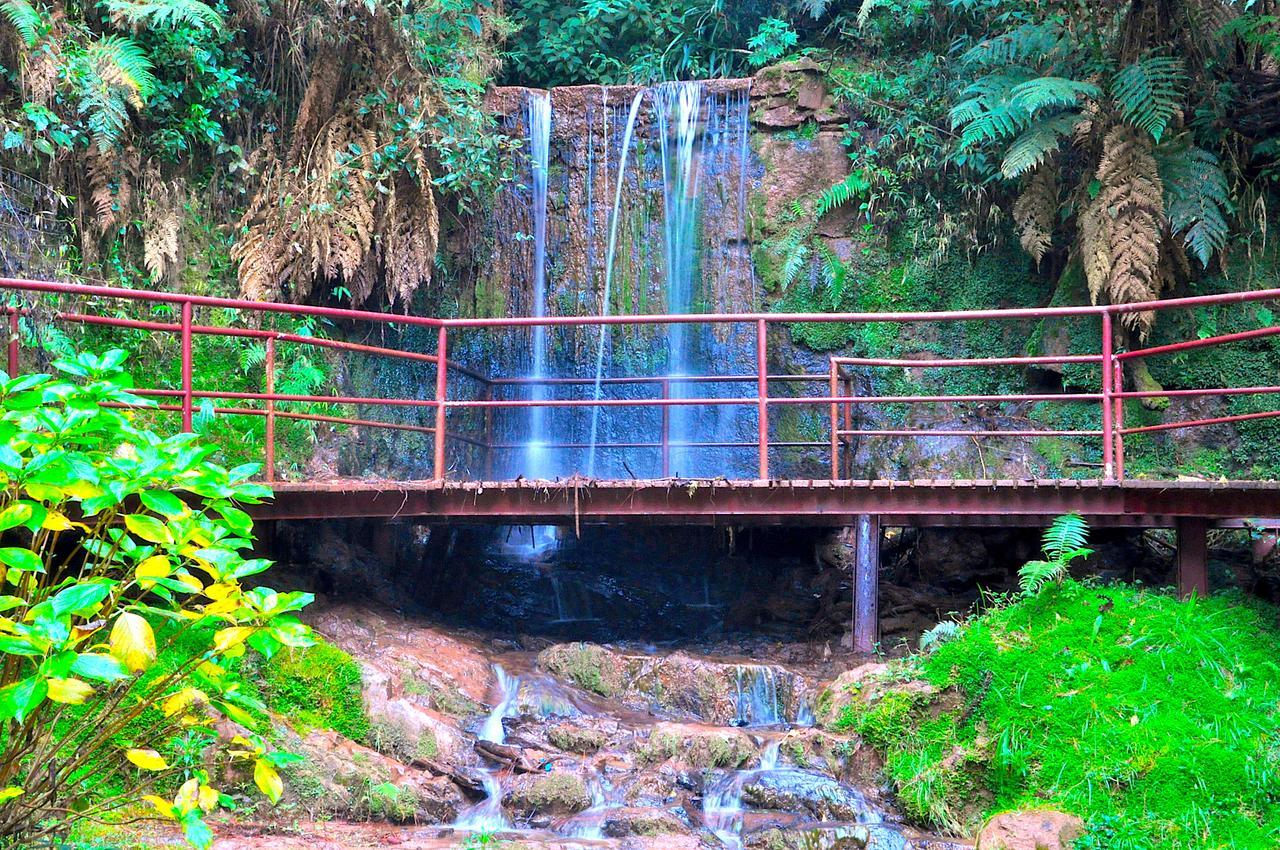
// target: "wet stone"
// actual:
[[821, 796]]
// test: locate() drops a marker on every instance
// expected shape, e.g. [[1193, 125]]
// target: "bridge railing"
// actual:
[[836, 392]]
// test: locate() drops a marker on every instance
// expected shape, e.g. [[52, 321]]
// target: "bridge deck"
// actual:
[[802, 502]]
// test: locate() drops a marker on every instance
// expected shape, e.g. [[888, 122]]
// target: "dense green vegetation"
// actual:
[[1154, 719]]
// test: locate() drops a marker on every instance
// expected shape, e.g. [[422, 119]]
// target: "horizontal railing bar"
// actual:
[[969, 361], [673, 402], [906, 432], [656, 379], [1190, 344], [1200, 423], [720, 444], [86, 290], [1197, 392]]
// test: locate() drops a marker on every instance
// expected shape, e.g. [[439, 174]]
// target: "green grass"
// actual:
[[1154, 719]]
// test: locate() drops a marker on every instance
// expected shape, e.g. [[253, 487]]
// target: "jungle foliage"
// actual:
[[123, 604], [1153, 719]]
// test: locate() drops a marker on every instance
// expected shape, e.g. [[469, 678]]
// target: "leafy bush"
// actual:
[[106, 571], [1152, 718]]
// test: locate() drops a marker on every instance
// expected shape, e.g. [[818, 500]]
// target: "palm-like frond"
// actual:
[[164, 13], [1066, 534], [1042, 92], [853, 186], [1036, 574], [25, 18], [119, 61], [1034, 145], [1150, 92], [1029, 43], [1197, 196], [987, 112]]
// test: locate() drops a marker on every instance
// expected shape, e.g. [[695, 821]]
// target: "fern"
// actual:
[[944, 632], [25, 19], [1029, 43], [1036, 143], [1064, 541], [854, 186], [1197, 196], [988, 112], [1066, 535], [1041, 92], [164, 13], [1149, 93], [117, 60]]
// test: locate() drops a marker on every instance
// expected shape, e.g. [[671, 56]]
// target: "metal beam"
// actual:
[[866, 583], [1193, 557]]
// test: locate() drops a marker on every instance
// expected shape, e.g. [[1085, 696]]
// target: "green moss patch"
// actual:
[[1154, 719], [317, 687]]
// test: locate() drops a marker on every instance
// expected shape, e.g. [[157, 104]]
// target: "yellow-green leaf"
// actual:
[[226, 638], [146, 759], [163, 806], [69, 691], [133, 642], [55, 521], [268, 780], [157, 566], [10, 792], [148, 528], [183, 700]]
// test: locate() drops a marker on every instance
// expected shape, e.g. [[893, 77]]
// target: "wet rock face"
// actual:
[[547, 793], [824, 798], [698, 747]]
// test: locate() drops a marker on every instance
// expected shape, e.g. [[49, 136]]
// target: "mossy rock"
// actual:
[[587, 665], [548, 793], [573, 738], [698, 746], [316, 687]]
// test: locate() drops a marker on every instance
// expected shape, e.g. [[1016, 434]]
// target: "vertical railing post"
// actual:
[[187, 397], [834, 392], [269, 364], [442, 387], [762, 395], [666, 429], [846, 447], [1117, 385], [1108, 433], [14, 339]]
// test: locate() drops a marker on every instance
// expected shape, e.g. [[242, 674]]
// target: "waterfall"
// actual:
[[539, 120], [610, 256], [677, 107], [487, 815], [756, 697], [722, 804]]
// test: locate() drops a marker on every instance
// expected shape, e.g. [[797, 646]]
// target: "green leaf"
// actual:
[[23, 560], [196, 830], [148, 528], [164, 503], [18, 700], [80, 598], [99, 666]]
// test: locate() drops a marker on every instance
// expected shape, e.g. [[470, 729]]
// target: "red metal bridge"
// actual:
[[457, 418]]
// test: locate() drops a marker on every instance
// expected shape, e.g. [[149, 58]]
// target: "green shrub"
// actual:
[[1152, 718]]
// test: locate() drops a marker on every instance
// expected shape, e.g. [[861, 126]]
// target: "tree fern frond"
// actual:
[[853, 186], [1149, 92], [1066, 534], [988, 112], [1041, 92], [1028, 43], [1197, 196], [117, 60], [1036, 143], [164, 13], [25, 19]]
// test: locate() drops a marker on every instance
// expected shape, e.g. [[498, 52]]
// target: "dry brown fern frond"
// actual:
[[1036, 209], [1130, 207], [164, 210]]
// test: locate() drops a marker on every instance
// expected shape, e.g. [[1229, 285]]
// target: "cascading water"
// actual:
[[756, 696], [487, 815], [722, 804], [539, 121]]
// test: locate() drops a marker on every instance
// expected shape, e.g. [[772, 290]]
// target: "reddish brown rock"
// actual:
[[1030, 829]]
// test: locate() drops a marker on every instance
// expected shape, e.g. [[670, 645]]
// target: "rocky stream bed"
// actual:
[[558, 745]]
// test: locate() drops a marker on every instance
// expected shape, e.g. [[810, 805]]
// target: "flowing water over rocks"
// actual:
[[583, 745]]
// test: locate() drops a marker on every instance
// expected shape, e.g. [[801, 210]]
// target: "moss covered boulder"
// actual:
[[575, 737], [698, 746], [557, 794], [587, 665]]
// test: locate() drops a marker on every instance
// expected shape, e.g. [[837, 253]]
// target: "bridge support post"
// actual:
[[866, 583], [1193, 556]]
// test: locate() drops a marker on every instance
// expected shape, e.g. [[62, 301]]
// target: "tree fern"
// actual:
[[1036, 143], [1036, 43], [988, 112], [1042, 92], [1197, 196], [25, 19], [164, 13], [1149, 92], [117, 60]]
